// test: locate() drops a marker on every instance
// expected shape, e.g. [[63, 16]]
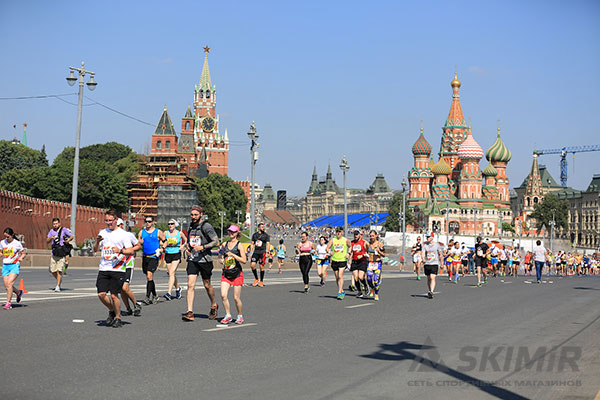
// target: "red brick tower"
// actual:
[[420, 175], [206, 124], [454, 132], [164, 139]]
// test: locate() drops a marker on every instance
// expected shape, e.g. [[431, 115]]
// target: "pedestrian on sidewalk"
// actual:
[[60, 239]]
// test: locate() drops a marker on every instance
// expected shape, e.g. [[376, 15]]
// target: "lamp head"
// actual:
[[71, 79], [91, 84]]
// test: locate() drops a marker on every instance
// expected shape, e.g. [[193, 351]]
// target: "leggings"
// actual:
[[305, 265], [374, 276]]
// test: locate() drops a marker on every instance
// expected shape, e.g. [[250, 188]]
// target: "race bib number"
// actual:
[[338, 248], [195, 241], [430, 256], [229, 262], [356, 247], [373, 266], [480, 253], [259, 243], [9, 255], [171, 241], [108, 253]]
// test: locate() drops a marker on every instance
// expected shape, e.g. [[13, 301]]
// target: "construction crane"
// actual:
[[563, 157]]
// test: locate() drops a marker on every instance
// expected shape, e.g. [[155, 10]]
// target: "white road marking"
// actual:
[[360, 305], [78, 321], [228, 327]]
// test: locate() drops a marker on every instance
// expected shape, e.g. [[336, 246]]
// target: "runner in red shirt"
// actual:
[[360, 262]]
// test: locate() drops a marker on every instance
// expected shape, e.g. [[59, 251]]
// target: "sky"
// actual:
[[321, 79]]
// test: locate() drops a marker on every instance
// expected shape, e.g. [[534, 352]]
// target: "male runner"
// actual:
[[416, 255], [126, 292], [201, 239], [494, 253], [115, 243], [432, 254], [259, 245], [149, 237], [58, 237], [338, 247], [481, 252], [360, 262]]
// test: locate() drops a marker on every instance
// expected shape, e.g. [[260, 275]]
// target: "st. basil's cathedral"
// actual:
[[476, 201]]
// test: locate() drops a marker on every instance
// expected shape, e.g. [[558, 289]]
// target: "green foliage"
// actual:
[[551, 209], [507, 227], [392, 222], [18, 156], [102, 183], [220, 193]]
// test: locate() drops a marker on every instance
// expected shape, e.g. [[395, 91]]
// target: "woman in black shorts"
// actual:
[[174, 241]]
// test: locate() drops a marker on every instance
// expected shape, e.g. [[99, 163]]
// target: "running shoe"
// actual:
[[155, 299], [239, 320], [147, 301], [418, 278], [322, 283], [188, 316], [137, 310], [19, 295], [360, 295], [255, 283], [7, 306], [168, 296], [111, 318], [178, 293], [371, 293], [213, 312], [352, 288], [430, 295], [227, 319], [261, 284], [127, 312], [342, 295], [376, 298], [306, 290], [118, 323], [478, 284], [325, 274], [57, 289]]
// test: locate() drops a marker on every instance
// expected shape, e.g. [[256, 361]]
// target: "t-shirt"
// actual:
[[503, 254], [65, 233], [109, 260], [431, 251], [480, 250], [10, 251], [494, 251], [321, 251], [260, 240], [130, 260], [540, 253], [358, 248]]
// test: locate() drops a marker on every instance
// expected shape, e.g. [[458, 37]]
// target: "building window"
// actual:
[[159, 145], [168, 144], [187, 126]]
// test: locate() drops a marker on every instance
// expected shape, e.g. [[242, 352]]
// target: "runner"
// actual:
[[540, 255], [150, 238], [360, 262], [126, 292], [516, 261], [503, 261], [114, 242], [464, 259], [270, 255], [481, 252], [449, 258], [305, 250], [259, 245], [322, 259], [12, 255], [281, 250], [494, 253], [456, 253], [376, 252], [432, 254], [59, 237], [338, 247], [202, 238], [416, 256], [175, 242], [232, 259]]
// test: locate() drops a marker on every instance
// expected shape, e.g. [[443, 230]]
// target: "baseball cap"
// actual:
[[429, 234], [120, 222], [233, 228], [356, 232]]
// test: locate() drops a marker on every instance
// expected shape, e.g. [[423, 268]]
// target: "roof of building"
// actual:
[[165, 126], [421, 146], [267, 194], [379, 185], [594, 185], [188, 113], [205, 83], [441, 167], [281, 217], [455, 116], [498, 151], [490, 170], [470, 149]]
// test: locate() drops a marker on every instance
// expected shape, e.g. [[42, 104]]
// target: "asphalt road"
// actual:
[[466, 343]]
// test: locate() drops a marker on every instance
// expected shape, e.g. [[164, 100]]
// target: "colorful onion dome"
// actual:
[[441, 168], [421, 146], [455, 82], [489, 171], [431, 163], [470, 149], [498, 151]]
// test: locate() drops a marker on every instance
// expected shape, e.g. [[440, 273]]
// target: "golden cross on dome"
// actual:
[[206, 49]]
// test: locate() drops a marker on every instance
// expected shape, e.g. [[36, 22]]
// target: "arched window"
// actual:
[[528, 202], [187, 126], [168, 144], [159, 145], [535, 200]]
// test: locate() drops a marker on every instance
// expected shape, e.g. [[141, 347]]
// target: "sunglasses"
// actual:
[[148, 221], [170, 223]]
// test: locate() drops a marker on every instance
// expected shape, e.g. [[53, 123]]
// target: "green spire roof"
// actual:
[[164, 126], [489, 171], [205, 77], [188, 113], [498, 152]]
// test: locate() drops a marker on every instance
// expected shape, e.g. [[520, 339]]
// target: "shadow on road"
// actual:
[[585, 288], [425, 357]]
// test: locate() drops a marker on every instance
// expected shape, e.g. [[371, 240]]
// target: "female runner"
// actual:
[[322, 259], [12, 255], [305, 249], [175, 243], [376, 252], [233, 258]]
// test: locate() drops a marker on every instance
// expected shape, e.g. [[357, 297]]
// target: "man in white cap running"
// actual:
[[432, 254]]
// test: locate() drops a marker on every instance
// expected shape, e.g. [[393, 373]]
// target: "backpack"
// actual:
[[61, 251]]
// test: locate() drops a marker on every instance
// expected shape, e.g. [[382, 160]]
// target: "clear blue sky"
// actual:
[[320, 78]]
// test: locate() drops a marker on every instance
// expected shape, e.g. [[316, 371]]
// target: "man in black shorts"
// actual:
[[481, 252], [432, 254], [259, 245], [201, 239], [339, 248]]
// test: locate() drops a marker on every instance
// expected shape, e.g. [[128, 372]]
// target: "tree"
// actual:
[[507, 227], [18, 156], [392, 222], [109, 152], [551, 209], [220, 193]]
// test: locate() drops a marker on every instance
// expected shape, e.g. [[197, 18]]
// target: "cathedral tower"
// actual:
[[419, 176]]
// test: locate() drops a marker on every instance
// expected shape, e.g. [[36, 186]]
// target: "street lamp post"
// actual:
[[403, 217], [447, 222], [345, 167], [222, 214], [552, 224], [253, 158], [238, 213], [91, 84], [475, 223]]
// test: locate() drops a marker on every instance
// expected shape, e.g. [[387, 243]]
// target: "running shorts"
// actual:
[[359, 265], [239, 281], [110, 281], [202, 268], [464, 262], [11, 269], [335, 265], [417, 258], [430, 269], [128, 275], [258, 258], [149, 264], [170, 257]]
